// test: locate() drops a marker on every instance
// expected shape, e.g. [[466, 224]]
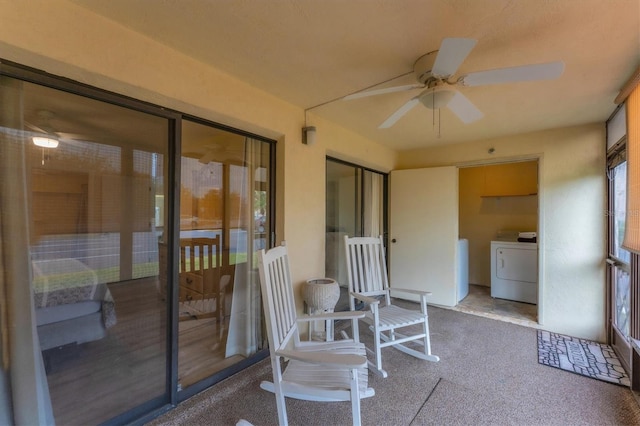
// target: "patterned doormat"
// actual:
[[582, 357]]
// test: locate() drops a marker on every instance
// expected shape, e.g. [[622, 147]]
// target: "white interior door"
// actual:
[[423, 210]]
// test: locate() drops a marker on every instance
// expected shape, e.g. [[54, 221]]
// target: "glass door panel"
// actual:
[[622, 301], [622, 295], [94, 252], [355, 206], [618, 261], [342, 217], [224, 220]]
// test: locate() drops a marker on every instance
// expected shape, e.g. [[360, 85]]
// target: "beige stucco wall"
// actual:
[[67, 40], [572, 217]]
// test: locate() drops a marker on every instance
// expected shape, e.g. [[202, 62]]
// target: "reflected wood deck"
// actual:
[[93, 382]]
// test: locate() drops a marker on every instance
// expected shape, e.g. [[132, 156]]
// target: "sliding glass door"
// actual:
[[355, 206], [81, 179], [128, 240]]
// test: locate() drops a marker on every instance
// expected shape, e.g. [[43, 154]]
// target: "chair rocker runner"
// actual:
[[315, 371], [367, 276]]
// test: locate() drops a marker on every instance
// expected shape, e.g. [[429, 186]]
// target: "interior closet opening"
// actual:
[[498, 218]]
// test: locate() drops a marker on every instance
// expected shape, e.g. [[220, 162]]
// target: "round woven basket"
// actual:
[[321, 294]]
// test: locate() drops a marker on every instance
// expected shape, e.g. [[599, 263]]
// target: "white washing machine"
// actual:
[[514, 271]]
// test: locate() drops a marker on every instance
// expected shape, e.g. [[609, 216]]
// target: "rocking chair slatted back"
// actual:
[[199, 254], [366, 265], [314, 370], [367, 274], [277, 288]]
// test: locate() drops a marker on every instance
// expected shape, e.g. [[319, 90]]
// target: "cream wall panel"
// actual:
[[572, 198]]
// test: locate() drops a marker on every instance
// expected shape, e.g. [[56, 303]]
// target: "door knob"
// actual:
[[393, 240]]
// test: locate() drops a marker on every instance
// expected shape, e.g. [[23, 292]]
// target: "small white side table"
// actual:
[[321, 295]]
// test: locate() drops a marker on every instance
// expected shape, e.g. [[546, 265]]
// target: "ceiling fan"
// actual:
[[46, 134], [434, 71]]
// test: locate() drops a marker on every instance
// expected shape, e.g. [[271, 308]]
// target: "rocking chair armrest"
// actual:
[[326, 358], [365, 299], [409, 291], [342, 315]]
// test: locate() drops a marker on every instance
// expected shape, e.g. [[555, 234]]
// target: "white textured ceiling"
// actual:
[[309, 52]]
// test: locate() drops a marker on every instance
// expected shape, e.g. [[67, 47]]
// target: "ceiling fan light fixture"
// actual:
[[437, 99], [45, 142]]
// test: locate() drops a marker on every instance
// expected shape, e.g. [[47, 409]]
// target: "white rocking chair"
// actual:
[[316, 371], [367, 276]]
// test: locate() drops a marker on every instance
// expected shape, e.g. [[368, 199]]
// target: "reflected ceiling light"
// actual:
[[45, 142]]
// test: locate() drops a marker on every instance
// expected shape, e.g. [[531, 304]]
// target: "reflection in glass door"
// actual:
[[90, 252], [92, 172], [224, 219], [355, 206]]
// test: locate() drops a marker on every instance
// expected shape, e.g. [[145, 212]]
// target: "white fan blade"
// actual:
[[452, 53], [399, 113], [74, 136], [462, 107], [35, 128], [548, 71], [207, 157], [382, 91]]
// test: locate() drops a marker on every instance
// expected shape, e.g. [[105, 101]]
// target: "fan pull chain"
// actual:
[[433, 119], [433, 108]]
